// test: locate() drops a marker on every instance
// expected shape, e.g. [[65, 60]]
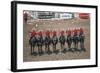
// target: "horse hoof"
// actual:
[[34, 53], [71, 50], [41, 53], [83, 49], [75, 49], [49, 52], [64, 51], [56, 51]]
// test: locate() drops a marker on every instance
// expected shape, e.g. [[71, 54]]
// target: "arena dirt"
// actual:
[[58, 25]]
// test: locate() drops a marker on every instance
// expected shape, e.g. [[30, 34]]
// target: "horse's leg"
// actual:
[[49, 51], [82, 46], [34, 51], [45, 48], [61, 46], [56, 51], [74, 44], [31, 48], [53, 48], [38, 49], [68, 45], [41, 49], [78, 46], [48, 47], [74, 47]]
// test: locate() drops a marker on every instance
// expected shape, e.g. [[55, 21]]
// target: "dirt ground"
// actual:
[[58, 25]]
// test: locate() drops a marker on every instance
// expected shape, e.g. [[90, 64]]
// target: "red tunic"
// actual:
[[75, 31], [47, 33], [40, 33], [62, 32], [33, 33], [54, 33], [68, 32], [81, 30]]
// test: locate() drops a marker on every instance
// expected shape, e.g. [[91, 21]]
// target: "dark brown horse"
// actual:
[[54, 43], [33, 42]]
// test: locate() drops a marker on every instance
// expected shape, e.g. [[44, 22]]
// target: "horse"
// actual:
[[32, 42], [69, 41], [81, 41], [62, 41], [40, 42], [54, 43], [47, 42]]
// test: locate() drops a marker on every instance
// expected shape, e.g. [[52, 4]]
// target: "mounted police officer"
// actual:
[[40, 42], [75, 39], [69, 39], [54, 42], [62, 41], [47, 42], [81, 39], [32, 42]]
